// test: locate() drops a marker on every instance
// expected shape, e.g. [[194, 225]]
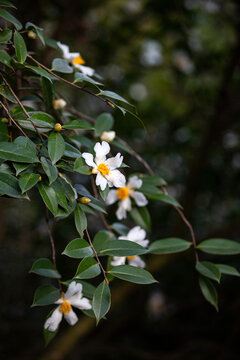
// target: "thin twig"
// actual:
[[22, 107], [52, 245], [96, 256], [11, 118]]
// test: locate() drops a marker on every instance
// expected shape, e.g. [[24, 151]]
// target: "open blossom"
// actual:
[[124, 194], [73, 297], [75, 59], [108, 136], [137, 235], [106, 169]]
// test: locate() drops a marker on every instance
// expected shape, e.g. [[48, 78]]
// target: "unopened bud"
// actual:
[[32, 34], [58, 127], [40, 178], [108, 136], [59, 104], [84, 200], [4, 120]]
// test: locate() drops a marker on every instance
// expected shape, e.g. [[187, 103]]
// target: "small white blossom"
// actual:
[[137, 235], [123, 196], [108, 136], [106, 169], [75, 59], [59, 104], [73, 297]]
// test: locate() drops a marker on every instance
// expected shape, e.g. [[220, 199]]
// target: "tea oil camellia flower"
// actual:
[[73, 297], [75, 59], [124, 194], [136, 234], [105, 169]]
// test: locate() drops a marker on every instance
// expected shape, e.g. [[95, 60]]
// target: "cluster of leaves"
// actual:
[[41, 149]]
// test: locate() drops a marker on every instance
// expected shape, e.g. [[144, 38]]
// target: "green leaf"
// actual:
[[104, 193], [56, 146], [17, 152], [9, 185], [81, 167], [141, 217], [104, 122], [20, 167], [41, 72], [154, 180], [47, 91], [62, 66], [120, 228], [77, 125], [9, 17], [82, 78], [27, 181], [20, 47], [68, 189], [220, 247], [80, 220], [208, 291], [5, 92], [38, 30], [45, 295], [132, 274], [169, 246], [101, 300], [50, 170], [5, 35], [100, 239], [166, 199], [6, 3], [45, 267], [113, 95], [78, 248], [49, 197], [5, 58], [122, 248], [228, 270], [71, 151], [209, 270], [87, 269]]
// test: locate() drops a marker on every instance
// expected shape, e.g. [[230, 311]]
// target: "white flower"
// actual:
[[73, 297], [108, 136], [75, 59], [123, 195], [59, 104], [137, 235], [105, 168]]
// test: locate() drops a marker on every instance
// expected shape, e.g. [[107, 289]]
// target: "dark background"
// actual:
[[178, 62]]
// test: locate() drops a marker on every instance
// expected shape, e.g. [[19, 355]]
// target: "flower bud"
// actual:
[[40, 178], [59, 104], [58, 127], [4, 120], [84, 200], [32, 34], [108, 136]]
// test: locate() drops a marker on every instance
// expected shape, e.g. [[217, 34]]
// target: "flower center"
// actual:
[[123, 193], [131, 257], [78, 61], [65, 307], [103, 169]]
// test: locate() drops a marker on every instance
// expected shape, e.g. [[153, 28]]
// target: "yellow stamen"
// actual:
[[131, 257], [123, 193], [78, 61], [65, 307], [103, 169]]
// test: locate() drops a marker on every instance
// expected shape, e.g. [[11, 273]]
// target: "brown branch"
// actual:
[[12, 120], [22, 107], [52, 244], [96, 256]]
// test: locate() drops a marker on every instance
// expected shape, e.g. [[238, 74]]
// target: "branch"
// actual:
[[12, 120]]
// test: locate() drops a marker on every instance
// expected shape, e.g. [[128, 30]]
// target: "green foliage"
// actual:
[[209, 291], [78, 248], [20, 47], [87, 269], [101, 300], [104, 122], [45, 267], [132, 274], [220, 247], [45, 295], [169, 246]]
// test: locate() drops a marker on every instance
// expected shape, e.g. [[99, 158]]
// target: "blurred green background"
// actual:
[[179, 63]]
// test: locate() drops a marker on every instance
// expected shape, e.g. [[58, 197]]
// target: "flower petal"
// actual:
[[118, 260], [86, 70], [101, 181], [73, 289], [114, 162], [136, 234], [139, 198], [116, 178], [135, 182], [52, 323], [137, 261], [112, 197], [101, 151], [89, 159], [71, 317], [65, 50], [81, 303]]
